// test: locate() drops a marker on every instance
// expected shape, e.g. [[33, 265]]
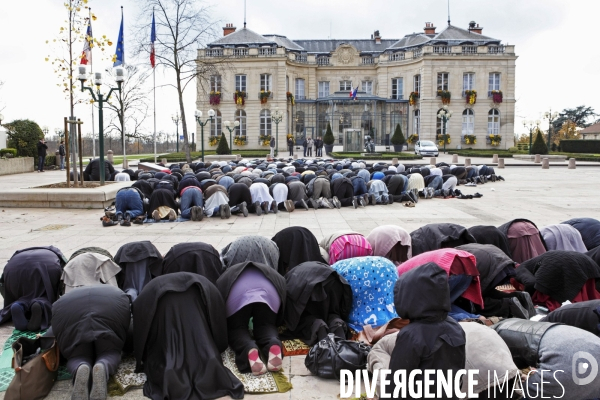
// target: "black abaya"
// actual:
[[342, 188], [296, 245], [196, 257], [135, 252], [181, 330], [489, 234], [439, 236], [238, 193]]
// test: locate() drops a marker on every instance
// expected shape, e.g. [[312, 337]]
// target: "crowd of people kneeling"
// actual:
[[192, 191], [465, 299]]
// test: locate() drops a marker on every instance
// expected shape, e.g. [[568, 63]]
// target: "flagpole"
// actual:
[[154, 92], [121, 96], [153, 62], [93, 103]]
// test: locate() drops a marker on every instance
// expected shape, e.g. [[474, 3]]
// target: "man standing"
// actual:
[[318, 146], [61, 153], [42, 147], [305, 145], [272, 145], [309, 147], [290, 144]]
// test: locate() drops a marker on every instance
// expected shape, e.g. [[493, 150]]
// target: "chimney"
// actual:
[[475, 28], [429, 28], [377, 37], [228, 28]]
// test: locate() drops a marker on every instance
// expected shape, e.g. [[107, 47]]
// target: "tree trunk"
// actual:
[[186, 144]]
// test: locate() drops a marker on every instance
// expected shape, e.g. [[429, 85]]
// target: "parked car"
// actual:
[[426, 148]]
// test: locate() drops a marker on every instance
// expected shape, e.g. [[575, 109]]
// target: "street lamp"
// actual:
[[176, 119], [445, 114], [550, 116], [198, 114], [58, 132], [530, 125], [45, 130], [276, 118], [229, 127], [1, 119], [100, 99]]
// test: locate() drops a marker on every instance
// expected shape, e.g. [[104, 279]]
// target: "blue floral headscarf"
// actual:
[[372, 280]]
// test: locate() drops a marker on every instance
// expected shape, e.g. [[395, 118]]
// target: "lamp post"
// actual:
[[550, 116], [1, 119], [45, 129], [530, 125], [230, 127], [99, 97], [198, 114], [277, 117], [176, 119], [445, 114]]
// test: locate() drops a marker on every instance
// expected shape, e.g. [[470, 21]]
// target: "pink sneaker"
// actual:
[[256, 365], [275, 359]]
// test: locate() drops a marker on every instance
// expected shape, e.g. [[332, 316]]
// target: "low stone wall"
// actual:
[[9, 166]]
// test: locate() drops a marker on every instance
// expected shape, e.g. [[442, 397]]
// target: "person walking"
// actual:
[[290, 144], [305, 145], [62, 153], [309, 147], [42, 147], [272, 145]]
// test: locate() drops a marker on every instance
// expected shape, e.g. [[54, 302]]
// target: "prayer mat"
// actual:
[[508, 288], [7, 372], [271, 382], [294, 347], [125, 378]]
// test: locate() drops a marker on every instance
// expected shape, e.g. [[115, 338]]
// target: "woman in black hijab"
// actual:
[[180, 332], [90, 324], [196, 257], [439, 236], [296, 245], [31, 283], [489, 234], [318, 302], [139, 262]]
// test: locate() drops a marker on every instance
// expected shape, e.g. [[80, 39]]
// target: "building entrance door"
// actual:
[[353, 140]]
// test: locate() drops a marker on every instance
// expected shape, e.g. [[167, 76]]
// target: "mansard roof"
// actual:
[[242, 37]]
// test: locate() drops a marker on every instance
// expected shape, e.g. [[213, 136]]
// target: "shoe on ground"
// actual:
[[81, 382], [172, 215], [336, 202], [493, 178], [361, 201], [243, 208], [477, 195], [257, 208], [373, 199], [457, 193], [289, 206], [256, 364], [431, 192], [126, 221], [138, 220], [412, 196], [500, 178], [304, 204], [156, 215], [354, 203], [415, 192], [314, 203], [98, 391], [265, 207], [446, 193], [471, 184], [108, 222], [390, 199], [224, 211], [274, 208]]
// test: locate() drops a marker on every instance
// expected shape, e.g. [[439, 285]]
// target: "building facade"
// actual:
[[363, 87]]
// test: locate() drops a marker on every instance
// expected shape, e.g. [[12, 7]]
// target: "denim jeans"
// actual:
[[129, 202], [436, 183], [41, 161], [62, 162], [191, 197], [360, 187]]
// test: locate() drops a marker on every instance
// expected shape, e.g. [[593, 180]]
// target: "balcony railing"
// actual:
[[368, 60], [496, 49], [469, 49], [397, 56], [301, 59], [267, 51], [417, 53], [214, 53], [323, 60], [442, 49], [240, 52]]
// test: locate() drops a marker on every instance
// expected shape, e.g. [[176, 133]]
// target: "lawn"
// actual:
[[383, 156]]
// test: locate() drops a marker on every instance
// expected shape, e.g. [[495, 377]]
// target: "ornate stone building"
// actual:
[[398, 81]]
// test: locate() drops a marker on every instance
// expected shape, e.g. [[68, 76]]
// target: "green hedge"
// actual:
[[383, 156], [180, 157], [4, 152], [48, 162], [485, 153], [580, 146]]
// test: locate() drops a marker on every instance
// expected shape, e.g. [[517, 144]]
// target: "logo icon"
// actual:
[[580, 368]]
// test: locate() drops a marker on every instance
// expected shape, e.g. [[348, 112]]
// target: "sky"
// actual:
[[555, 40]]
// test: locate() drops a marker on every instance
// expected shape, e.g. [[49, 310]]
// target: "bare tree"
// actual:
[[130, 107], [182, 26]]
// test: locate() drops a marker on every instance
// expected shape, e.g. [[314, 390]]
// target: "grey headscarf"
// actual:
[[251, 248]]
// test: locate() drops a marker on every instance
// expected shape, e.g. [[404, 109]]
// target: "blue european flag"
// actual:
[[119, 58]]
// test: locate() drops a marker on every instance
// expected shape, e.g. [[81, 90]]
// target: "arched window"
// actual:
[[439, 130], [494, 122], [240, 116], [265, 122], [417, 122], [215, 126], [468, 122], [299, 122]]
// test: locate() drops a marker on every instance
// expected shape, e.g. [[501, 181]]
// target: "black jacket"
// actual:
[[589, 229], [489, 234], [93, 169], [61, 150], [138, 251], [584, 315], [196, 257], [431, 340], [296, 245], [41, 148], [439, 236]]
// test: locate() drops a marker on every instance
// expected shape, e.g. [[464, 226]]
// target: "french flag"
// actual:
[[353, 93]]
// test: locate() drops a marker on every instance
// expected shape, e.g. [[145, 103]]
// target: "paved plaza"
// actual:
[[543, 196]]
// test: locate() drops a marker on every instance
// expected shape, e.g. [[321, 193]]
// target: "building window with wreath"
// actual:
[[494, 82], [468, 122], [215, 125], [215, 83], [443, 81], [266, 82], [240, 83]]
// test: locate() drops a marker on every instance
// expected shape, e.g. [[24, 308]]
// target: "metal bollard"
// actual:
[[538, 159], [432, 161], [467, 162], [454, 158], [545, 163], [501, 163], [495, 158], [572, 163], [125, 164], [109, 156]]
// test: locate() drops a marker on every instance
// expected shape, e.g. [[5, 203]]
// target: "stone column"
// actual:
[[467, 162], [454, 158], [495, 158], [432, 161], [572, 163], [501, 163], [545, 163], [395, 161], [109, 156], [538, 159]]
